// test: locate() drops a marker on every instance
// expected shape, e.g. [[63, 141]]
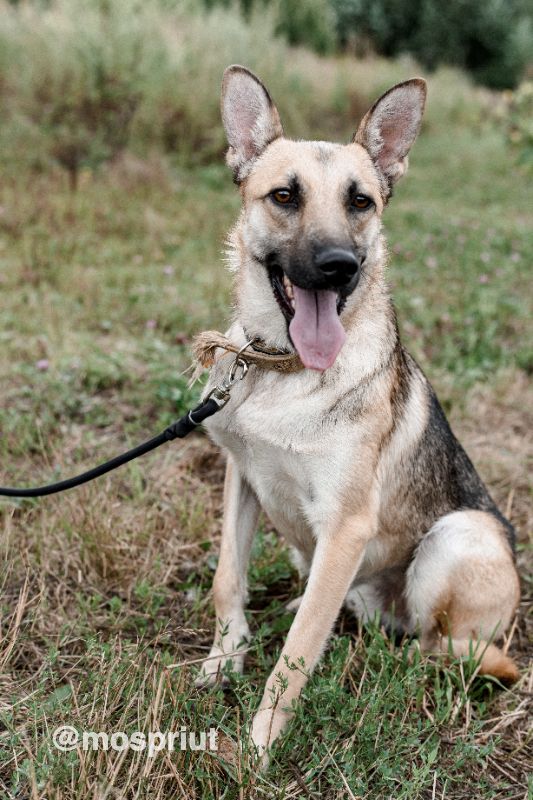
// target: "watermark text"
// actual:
[[67, 738]]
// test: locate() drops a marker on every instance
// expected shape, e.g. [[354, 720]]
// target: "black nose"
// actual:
[[337, 265]]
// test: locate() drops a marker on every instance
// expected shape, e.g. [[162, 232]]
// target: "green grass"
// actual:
[[459, 226], [104, 589]]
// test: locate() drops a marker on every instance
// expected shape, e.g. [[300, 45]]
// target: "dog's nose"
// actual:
[[337, 265]]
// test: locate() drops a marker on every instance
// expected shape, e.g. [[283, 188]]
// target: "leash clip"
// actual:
[[237, 371]]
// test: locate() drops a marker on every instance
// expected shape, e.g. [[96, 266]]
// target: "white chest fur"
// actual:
[[296, 454]]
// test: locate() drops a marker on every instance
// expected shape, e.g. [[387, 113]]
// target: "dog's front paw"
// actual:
[[261, 739], [212, 670], [267, 725]]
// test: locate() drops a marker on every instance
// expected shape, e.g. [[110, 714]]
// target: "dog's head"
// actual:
[[310, 225]]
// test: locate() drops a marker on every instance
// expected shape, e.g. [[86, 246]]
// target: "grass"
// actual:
[[105, 590]]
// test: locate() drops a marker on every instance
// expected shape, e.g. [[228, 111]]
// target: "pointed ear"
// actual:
[[250, 118], [391, 126]]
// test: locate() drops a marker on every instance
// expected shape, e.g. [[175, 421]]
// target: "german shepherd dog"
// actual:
[[351, 457]]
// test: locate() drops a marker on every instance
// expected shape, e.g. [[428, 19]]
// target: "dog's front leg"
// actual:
[[337, 557], [241, 510]]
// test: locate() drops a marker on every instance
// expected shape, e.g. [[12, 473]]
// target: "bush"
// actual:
[[86, 80], [519, 122], [77, 76], [301, 22], [80, 81], [307, 22], [387, 24], [489, 38]]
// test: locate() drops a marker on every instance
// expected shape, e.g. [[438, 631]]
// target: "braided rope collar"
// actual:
[[205, 345]]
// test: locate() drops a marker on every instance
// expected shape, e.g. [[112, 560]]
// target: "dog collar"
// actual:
[[206, 344]]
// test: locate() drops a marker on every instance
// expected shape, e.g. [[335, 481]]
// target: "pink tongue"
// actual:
[[315, 329]]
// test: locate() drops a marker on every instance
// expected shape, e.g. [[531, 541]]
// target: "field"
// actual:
[[105, 602]]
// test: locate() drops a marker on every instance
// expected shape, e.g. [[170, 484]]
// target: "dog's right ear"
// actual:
[[250, 118]]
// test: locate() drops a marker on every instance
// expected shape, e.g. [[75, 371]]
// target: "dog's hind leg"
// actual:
[[462, 589], [241, 510], [364, 601]]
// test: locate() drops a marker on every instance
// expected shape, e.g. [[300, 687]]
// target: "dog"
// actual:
[[351, 456]]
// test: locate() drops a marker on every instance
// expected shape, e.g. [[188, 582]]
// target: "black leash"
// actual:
[[215, 400], [178, 430]]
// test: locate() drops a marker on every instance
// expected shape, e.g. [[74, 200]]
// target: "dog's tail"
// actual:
[[492, 660]]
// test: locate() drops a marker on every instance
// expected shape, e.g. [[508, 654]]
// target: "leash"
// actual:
[[215, 400]]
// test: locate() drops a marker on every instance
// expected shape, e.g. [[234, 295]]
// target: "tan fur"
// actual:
[[492, 660], [355, 466]]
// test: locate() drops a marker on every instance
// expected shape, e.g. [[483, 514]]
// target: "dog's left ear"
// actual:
[[250, 118], [391, 126]]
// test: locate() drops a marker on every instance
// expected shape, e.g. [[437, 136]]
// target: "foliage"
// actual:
[[81, 81], [518, 110], [491, 40], [306, 22], [301, 22], [76, 78]]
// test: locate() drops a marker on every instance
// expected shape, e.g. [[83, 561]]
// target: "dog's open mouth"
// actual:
[[313, 316], [284, 292]]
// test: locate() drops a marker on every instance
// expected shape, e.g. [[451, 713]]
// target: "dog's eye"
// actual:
[[361, 202], [283, 196]]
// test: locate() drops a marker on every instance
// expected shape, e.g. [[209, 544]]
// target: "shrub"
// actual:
[[76, 77], [300, 22], [307, 22], [489, 38], [519, 122], [80, 81], [388, 24]]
